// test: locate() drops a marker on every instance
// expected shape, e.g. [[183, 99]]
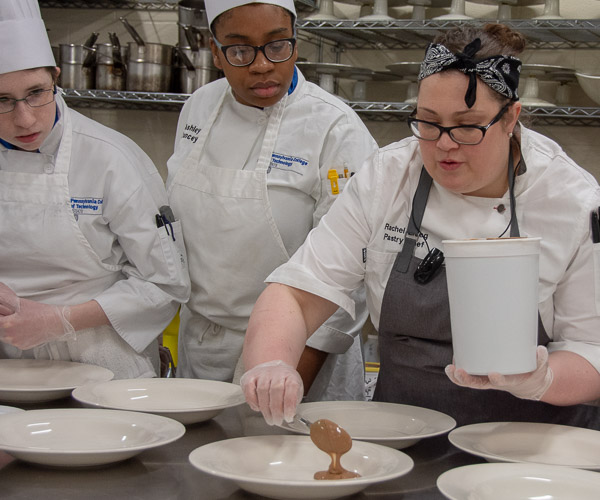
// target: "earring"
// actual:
[[510, 134]]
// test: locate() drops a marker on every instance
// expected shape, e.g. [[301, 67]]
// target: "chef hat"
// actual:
[[215, 8], [24, 42]]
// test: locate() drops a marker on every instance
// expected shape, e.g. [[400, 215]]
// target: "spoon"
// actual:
[[335, 441]]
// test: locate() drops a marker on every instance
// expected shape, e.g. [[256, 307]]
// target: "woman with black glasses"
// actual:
[[470, 171], [85, 273], [260, 156]]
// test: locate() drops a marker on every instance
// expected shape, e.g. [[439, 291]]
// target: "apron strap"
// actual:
[[514, 224], [414, 222]]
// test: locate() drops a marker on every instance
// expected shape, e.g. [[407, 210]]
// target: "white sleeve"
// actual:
[[577, 298], [156, 280]]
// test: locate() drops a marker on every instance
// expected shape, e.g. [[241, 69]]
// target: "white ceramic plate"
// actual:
[[40, 380], [283, 467], [549, 444], [9, 409], [389, 424], [185, 400], [83, 437], [523, 481]]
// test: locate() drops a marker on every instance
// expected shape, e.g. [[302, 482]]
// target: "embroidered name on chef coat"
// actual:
[[86, 206], [287, 163], [396, 234], [191, 133]]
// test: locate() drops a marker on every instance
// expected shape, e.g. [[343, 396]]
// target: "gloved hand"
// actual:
[[9, 301], [532, 385], [275, 389], [33, 323]]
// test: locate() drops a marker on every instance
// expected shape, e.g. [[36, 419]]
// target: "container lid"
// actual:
[[492, 247]]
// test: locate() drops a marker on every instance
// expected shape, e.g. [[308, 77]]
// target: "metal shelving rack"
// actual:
[[355, 34], [129, 4], [409, 34], [375, 111]]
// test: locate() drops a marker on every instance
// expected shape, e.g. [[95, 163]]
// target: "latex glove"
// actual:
[[532, 385], [34, 323], [275, 389], [9, 301]]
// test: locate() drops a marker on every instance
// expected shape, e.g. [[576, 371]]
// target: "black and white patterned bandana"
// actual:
[[500, 73]]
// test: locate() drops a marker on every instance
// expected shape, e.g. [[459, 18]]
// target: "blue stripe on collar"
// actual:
[[294, 81], [8, 145]]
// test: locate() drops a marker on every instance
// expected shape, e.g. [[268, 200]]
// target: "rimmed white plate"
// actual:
[[389, 424], [283, 467], [82, 437], [40, 380], [9, 409], [185, 400], [519, 482], [549, 444]]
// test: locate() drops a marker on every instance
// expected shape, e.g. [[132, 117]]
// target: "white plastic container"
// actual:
[[493, 292]]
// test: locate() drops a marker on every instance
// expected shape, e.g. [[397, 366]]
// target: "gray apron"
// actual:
[[415, 343]]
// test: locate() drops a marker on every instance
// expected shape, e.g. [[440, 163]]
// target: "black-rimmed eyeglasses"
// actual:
[[36, 99], [240, 55], [461, 134]]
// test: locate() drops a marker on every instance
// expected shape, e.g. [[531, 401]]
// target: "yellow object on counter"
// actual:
[[332, 175], [170, 336]]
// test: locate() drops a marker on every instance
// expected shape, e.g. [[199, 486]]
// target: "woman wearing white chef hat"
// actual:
[[85, 273], [249, 178]]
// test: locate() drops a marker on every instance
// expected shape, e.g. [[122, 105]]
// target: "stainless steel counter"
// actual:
[[165, 473]]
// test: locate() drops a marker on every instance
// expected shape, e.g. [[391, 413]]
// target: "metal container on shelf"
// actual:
[[111, 72], [77, 66], [150, 67], [193, 23], [202, 71]]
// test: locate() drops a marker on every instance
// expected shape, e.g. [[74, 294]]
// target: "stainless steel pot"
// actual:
[[73, 73], [193, 23], [150, 67], [111, 72], [204, 72]]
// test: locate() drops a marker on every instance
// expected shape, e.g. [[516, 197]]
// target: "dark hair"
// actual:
[[496, 39], [225, 15]]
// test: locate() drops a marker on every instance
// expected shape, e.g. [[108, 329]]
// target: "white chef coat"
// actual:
[[317, 133], [133, 269], [365, 229]]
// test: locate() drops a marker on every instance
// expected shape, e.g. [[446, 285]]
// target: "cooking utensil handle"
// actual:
[[116, 51], [190, 37], [88, 45], [131, 30], [185, 59]]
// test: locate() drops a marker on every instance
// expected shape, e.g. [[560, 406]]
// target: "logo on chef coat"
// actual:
[[287, 163], [86, 206]]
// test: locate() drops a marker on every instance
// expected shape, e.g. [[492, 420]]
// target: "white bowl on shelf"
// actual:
[[590, 85]]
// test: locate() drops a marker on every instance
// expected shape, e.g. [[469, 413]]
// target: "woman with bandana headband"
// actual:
[[471, 170]]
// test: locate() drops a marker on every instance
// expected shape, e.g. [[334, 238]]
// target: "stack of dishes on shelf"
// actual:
[[590, 85], [456, 9], [531, 75], [409, 72], [325, 74]]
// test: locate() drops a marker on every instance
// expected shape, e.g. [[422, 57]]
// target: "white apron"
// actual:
[[49, 259], [233, 203]]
